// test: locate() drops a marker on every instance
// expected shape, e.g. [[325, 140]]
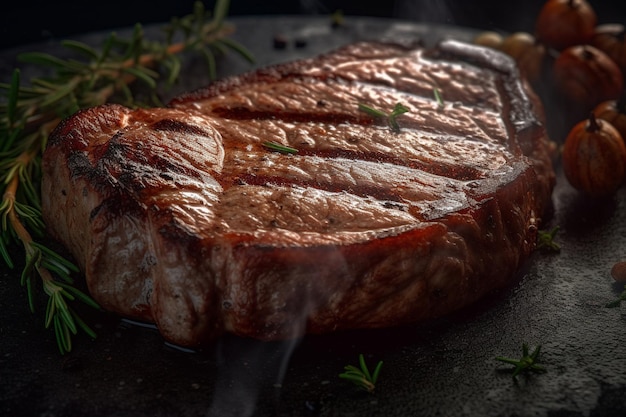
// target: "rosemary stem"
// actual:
[[176, 48], [16, 224]]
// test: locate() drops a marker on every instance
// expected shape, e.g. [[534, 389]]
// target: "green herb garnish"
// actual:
[[438, 97], [391, 117], [274, 146], [337, 18], [618, 301], [362, 376], [528, 362], [29, 113], [545, 240]]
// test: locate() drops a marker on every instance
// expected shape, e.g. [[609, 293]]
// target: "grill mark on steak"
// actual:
[[180, 216], [461, 173], [243, 113]]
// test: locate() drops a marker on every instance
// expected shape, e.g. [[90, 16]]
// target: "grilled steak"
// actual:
[[181, 216]]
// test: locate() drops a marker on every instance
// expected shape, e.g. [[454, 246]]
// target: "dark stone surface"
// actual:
[[445, 368]]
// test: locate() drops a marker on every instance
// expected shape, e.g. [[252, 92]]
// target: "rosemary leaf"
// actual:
[[366, 371], [32, 259], [65, 315], [438, 97], [81, 48], [43, 59], [614, 303], [359, 380], [87, 300], [64, 340], [174, 65], [237, 47], [617, 302], [220, 11], [133, 50], [376, 373], [58, 94], [144, 75], [50, 312], [527, 363], [274, 146], [361, 376], [126, 93], [69, 266], [546, 240], [391, 117], [59, 270], [372, 111], [4, 251], [30, 295], [13, 96], [83, 326], [209, 58], [106, 49]]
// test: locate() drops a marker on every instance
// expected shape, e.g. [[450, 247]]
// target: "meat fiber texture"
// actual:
[[182, 217]]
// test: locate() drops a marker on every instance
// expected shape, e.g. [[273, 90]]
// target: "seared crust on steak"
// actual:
[[180, 216]]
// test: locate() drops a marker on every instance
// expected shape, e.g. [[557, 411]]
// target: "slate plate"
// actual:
[[445, 368]]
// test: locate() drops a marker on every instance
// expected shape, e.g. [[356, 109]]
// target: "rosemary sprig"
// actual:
[[391, 117], [546, 242], [527, 363], [617, 302], [28, 114], [361, 375]]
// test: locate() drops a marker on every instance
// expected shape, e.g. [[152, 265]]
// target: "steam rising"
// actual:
[[246, 368]]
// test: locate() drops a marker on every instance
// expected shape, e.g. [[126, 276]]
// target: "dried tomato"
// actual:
[[564, 23], [489, 39], [611, 39], [594, 157], [586, 76], [529, 54], [614, 112]]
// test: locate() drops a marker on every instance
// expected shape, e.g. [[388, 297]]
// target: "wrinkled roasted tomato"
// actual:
[[528, 53], [614, 112], [586, 76], [610, 38], [564, 23], [594, 157]]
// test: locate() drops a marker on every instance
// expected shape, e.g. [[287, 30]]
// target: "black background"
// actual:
[[31, 21]]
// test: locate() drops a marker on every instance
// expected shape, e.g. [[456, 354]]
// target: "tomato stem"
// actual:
[[587, 54], [592, 125]]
